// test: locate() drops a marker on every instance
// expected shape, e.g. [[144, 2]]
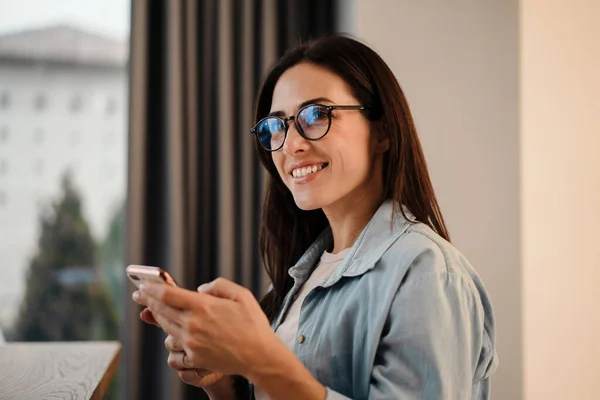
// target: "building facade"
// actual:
[[63, 109]]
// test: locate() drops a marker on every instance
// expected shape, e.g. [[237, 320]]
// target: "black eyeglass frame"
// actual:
[[294, 118]]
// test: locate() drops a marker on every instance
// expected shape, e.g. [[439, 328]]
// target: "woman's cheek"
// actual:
[[279, 166]]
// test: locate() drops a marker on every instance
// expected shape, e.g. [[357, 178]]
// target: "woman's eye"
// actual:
[[315, 115]]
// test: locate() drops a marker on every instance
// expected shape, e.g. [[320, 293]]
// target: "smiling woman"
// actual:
[[349, 155], [368, 299]]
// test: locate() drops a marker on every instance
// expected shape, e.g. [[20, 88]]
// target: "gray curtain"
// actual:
[[195, 183]]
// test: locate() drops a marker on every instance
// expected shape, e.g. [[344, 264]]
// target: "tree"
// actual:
[[64, 298]]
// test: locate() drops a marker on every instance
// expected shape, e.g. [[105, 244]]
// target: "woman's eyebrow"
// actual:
[[281, 114]]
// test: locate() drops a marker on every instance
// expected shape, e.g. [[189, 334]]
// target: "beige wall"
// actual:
[[506, 96], [560, 157], [458, 64]]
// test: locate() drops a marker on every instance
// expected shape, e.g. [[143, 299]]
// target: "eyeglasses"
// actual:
[[312, 122]]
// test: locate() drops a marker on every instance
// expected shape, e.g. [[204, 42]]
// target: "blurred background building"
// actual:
[[63, 108]]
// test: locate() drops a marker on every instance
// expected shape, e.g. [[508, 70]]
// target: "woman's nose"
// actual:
[[294, 142]]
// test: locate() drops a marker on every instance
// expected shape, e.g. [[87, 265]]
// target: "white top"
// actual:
[[288, 329]]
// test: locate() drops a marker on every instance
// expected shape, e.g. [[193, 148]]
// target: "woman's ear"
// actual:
[[383, 146], [379, 136]]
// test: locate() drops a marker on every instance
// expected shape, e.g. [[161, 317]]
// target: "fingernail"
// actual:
[[136, 295]]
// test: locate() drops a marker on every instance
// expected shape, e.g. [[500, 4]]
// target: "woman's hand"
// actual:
[[222, 330], [197, 377], [192, 376]]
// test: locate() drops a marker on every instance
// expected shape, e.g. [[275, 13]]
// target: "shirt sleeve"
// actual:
[[428, 348]]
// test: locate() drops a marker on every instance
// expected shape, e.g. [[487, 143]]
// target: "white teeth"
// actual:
[[300, 172]]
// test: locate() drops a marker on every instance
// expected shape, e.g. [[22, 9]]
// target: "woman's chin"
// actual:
[[308, 203]]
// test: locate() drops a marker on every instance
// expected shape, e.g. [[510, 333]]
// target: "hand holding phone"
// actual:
[[143, 273], [192, 376]]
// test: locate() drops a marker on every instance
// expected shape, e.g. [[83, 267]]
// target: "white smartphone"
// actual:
[[143, 273]]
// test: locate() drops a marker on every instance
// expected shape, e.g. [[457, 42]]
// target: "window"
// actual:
[[53, 131]]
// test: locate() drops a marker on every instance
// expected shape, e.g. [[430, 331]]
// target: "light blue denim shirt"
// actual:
[[404, 316]]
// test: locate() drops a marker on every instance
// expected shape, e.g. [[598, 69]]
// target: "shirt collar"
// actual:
[[380, 233]]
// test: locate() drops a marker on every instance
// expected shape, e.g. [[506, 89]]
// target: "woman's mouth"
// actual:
[[307, 173]]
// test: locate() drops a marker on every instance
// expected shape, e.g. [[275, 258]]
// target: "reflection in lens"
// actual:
[[271, 133], [314, 121]]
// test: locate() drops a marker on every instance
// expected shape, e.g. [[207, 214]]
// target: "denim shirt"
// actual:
[[404, 316]]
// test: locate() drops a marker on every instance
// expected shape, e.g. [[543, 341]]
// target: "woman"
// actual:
[[368, 298]]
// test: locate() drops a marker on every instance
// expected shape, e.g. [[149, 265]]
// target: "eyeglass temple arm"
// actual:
[[348, 107]]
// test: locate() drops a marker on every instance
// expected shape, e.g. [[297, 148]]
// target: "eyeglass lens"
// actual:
[[313, 123]]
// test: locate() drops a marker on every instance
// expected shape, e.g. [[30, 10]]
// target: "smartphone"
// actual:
[[143, 273]]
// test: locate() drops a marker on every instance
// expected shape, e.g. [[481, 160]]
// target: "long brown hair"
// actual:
[[286, 231]]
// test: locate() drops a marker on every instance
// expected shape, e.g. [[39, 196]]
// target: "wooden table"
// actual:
[[57, 370]]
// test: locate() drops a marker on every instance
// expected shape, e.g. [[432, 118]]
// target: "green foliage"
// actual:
[[65, 298]]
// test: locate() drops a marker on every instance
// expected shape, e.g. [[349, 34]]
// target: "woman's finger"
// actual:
[[225, 289], [201, 372], [167, 325], [139, 297], [147, 317], [164, 310], [188, 376], [175, 297], [200, 379], [204, 288], [177, 360], [173, 344]]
